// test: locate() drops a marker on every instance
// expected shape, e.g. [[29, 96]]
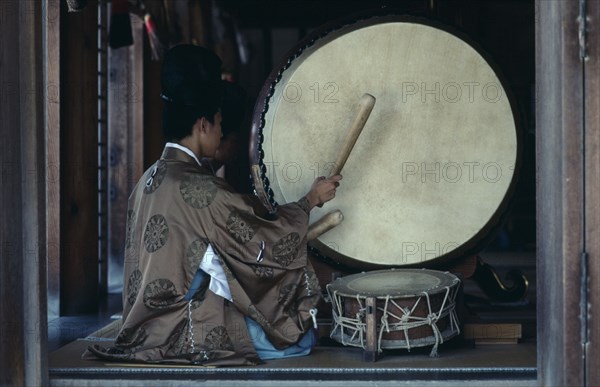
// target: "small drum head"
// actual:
[[393, 283], [432, 171]]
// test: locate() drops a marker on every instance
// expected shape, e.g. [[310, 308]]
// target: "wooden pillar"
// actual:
[[79, 161], [592, 193], [52, 99], [11, 270], [125, 141], [560, 192], [23, 358], [154, 141]]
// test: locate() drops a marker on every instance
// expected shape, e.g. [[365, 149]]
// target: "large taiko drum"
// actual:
[[414, 308], [430, 175]]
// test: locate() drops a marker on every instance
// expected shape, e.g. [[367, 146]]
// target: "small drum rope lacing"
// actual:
[[361, 327], [404, 323], [408, 321], [432, 319], [453, 317], [384, 323], [355, 326]]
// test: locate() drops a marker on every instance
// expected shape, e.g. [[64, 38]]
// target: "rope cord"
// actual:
[[191, 327], [191, 334], [352, 329]]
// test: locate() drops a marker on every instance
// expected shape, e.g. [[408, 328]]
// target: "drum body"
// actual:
[[414, 307], [432, 171]]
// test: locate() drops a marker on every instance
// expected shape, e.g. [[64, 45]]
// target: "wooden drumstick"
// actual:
[[326, 223], [365, 106]]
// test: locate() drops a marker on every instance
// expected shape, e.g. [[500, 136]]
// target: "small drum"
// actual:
[[413, 308]]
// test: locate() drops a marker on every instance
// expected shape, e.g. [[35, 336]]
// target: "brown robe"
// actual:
[[175, 211]]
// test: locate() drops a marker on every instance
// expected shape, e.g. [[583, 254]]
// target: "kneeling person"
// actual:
[[209, 278]]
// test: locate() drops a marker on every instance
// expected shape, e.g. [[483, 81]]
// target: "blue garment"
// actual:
[[263, 346], [196, 283], [267, 351]]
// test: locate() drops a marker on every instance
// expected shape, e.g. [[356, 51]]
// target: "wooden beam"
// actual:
[[560, 192], [592, 196], [52, 101], [23, 350], [32, 106], [79, 161], [154, 141], [307, 13], [12, 354], [125, 139]]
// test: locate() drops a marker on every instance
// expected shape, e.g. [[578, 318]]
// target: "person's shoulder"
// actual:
[[206, 181], [221, 183]]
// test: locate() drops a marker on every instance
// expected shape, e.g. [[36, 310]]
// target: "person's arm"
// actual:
[[322, 190], [241, 228]]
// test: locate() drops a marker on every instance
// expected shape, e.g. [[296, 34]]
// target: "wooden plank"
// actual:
[[492, 331], [372, 349], [559, 141], [125, 123], [136, 141], [592, 198], [23, 359], [297, 13], [32, 109], [11, 269], [79, 161], [103, 27], [52, 82], [153, 106]]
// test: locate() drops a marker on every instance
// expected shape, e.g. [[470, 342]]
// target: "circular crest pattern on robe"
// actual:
[[156, 176], [263, 271], [181, 345], [156, 233], [286, 249], [198, 191], [129, 232], [286, 294], [133, 285], [218, 339], [160, 293], [131, 339], [240, 227], [180, 340], [195, 252]]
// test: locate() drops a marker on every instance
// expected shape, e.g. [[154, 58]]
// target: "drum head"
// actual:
[[432, 170], [401, 283]]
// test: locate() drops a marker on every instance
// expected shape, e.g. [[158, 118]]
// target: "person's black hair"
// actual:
[[191, 89]]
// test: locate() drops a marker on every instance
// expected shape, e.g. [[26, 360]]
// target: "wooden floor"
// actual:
[[457, 361], [461, 363]]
